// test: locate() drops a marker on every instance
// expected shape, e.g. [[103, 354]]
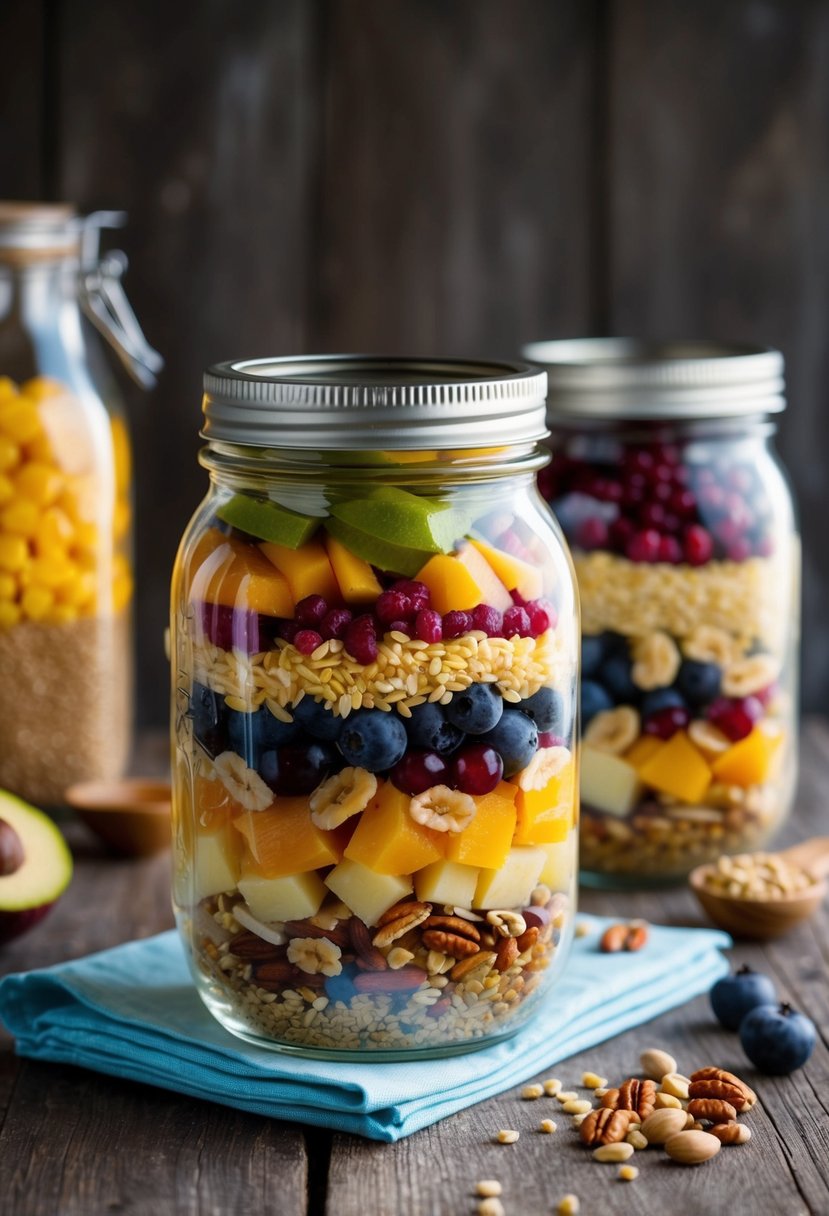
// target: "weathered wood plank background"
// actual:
[[412, 175]]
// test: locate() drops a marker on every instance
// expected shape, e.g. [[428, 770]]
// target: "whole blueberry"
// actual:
[[594, 699], [593, 650], [249, 735], [699, 682], [515, 738], [615, 676], [546, 708], [475, 710], [341, 987], [296, 768], [733, 996], [318, 721], [372, 739], [208, 713], [777, 1039], [428, 729], [661, 698]]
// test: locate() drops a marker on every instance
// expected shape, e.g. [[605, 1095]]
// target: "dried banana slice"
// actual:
[[341, 796], [656, 661], [614, 730], [243, 784], [547, 763], [709, 644], [442, 809], [750, 675], [708, 738]]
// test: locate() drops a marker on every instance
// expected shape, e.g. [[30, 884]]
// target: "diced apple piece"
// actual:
[[462, 580], [283, 839], [561, 864], [487, 840], [546, 816], [357, 581], [365, 892], [217, 862], [511, 885], [387, 839], [515, 574], [608, 783], [447, 882], [679, 769], [307, 569], [291, 897]]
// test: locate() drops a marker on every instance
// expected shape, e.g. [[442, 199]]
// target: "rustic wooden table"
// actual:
[[73, 1143]]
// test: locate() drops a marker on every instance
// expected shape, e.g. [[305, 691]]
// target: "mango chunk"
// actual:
[[511, 885], [608, 783], [307, 569], [447, 882], [678, 768], [562, 863], [387, 839], [487, 840], [283, 840], [291, 897], [356, 580], [546, 816], [642, 750], [514, 573], [749, 761], [365, 892], [224, 570], [463, 580]]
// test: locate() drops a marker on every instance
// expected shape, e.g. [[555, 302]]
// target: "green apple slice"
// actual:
[[378, 552], [267, 520], [38, 865], [405, 520]]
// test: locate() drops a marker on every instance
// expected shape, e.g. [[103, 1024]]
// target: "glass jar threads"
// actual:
[[375, 649], [667, 486]]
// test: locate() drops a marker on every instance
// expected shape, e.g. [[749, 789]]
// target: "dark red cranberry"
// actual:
[[737, 510], [516, 621], [546, 738], [393, 606], [335, 622], [417, 593], [361, 639], [456, 624], [517, 598], [489, 620], [683, 503], [662, 492], [592, 533], [698, 545], [477, 769], [232, 629], [670, 550], [643, 546], [543, 616], [606, 490], [307, 640], [634, 490], [428, 625], [310, 611], [621, 531], [666, 722], [667, 453], [764, 695], [662, 472], [734, 718], [287, 630], [652, 515], [728, 532], [671, 523], [400, 627], [739, 550], [639, 460], [418, 771]]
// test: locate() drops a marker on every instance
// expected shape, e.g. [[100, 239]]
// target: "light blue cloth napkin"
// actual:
[[133, 1012]]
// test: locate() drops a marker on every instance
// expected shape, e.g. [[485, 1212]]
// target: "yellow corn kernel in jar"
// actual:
[[41, 387], [121, 519], [55, 532], [86, 539], [8, 587], [20, 517], [82, 592], [9, 454], [8, 388], [36, 602], [51, 572], [61, 614], [20, 420], [6, 489], [14, 553], [9, 614], [41, 449], [39, 483]]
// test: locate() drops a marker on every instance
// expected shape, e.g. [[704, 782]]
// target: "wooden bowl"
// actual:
[[131, 816], [760, 919]]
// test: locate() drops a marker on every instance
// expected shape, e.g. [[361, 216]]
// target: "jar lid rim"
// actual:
[[342, 401], [636, 378]]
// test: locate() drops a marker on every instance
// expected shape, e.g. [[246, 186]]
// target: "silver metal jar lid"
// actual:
[[616, 378], [340, 402]]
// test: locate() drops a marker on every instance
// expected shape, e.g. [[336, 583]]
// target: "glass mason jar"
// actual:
[[668, 488], [375, 646], [65, 505]]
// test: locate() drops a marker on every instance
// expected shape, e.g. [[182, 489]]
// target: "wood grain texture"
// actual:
[[719, 186]]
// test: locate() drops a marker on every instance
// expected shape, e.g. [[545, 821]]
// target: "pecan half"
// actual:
[[699, 1087], [369, 957], [715, 1110], [409, 917], [634, 1095], [454, 924], [605, 1126], [506, 954], [449, 943], [248, 946], [407, 979], [404, 908]]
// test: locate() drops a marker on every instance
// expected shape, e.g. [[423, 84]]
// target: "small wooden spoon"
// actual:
[[131, 816], [765, 918]]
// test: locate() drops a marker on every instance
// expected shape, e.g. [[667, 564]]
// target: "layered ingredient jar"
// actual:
[[65, 504], [375, 647], [667, 486]]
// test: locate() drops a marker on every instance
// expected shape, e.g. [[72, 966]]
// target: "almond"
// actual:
[[692, 1148], [663, 1124]]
